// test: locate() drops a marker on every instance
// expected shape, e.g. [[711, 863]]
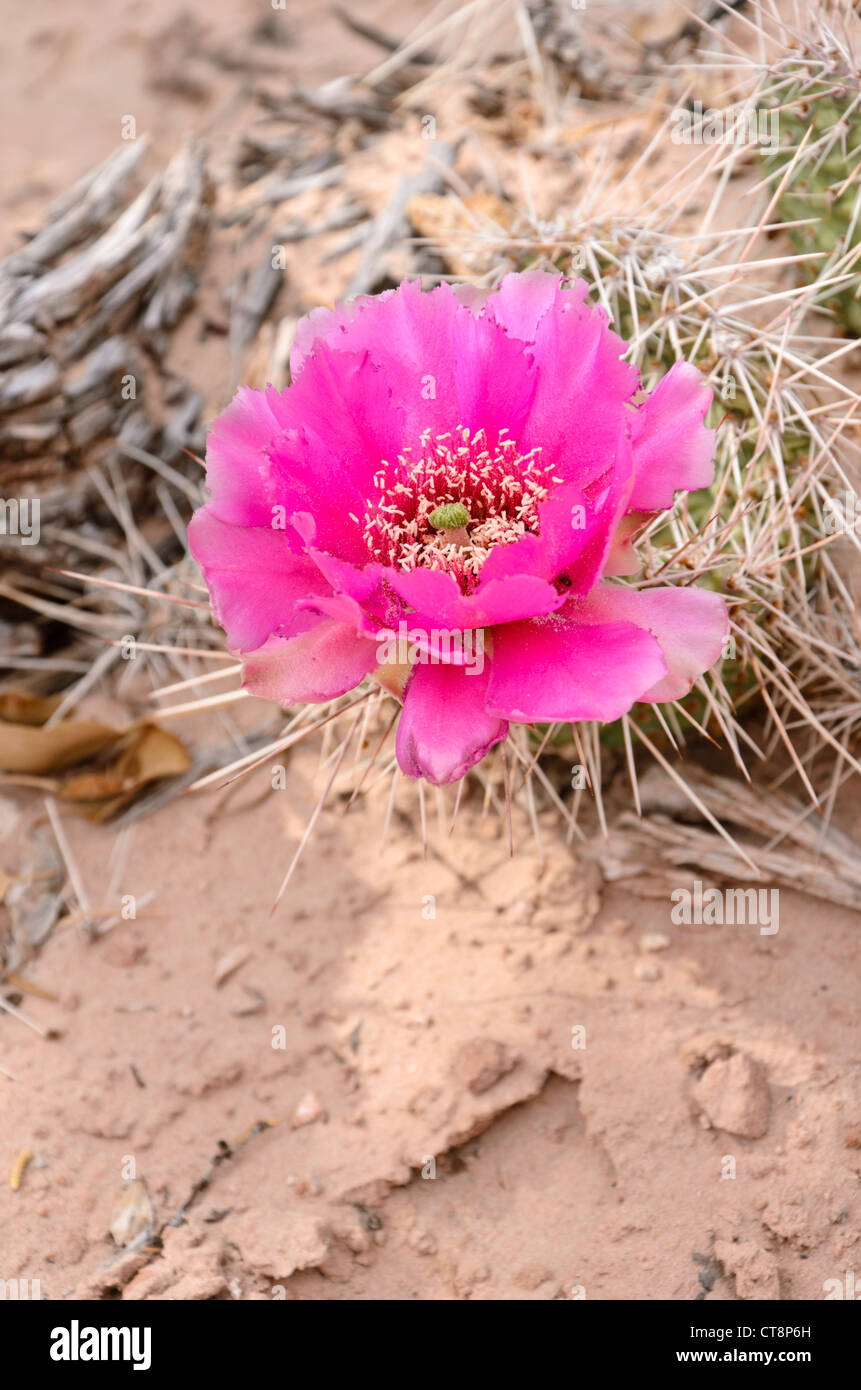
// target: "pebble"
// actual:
[[307, 1111], [648, 970], [481, 1062], [733, 1094], [654, 941]]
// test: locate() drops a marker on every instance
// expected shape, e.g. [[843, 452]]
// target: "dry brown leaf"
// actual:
[[37, 784], [146, 754], [19, 707], [27, 748], [151, 754]]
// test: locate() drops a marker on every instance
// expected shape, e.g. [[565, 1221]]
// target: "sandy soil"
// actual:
[[411, 1028], [71, 76], [454, 1076]]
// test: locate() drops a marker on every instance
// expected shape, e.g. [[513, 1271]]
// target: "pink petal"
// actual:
[[343, 404], [444, 728], [318, 665], [323, 325], [254, 580], [236, 452], [343, 429], [558, 668], [345, 609], [611, 503], [673, 450], [580, 399], [516, 306], [474, 298], [575, 533], [495, 379], [549, 553], [315, 494], [361, 582], [523, 299], [443, 365], [621, 557], [436, 596], [692, 626]]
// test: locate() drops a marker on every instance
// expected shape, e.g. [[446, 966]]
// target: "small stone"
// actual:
[[734, 1096], [311, 1186], [647, 970], [654, 941], [307, 1111], [481, 1062], [132, 1213]]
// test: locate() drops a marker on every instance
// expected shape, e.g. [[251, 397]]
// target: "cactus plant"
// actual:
[[816, 170]]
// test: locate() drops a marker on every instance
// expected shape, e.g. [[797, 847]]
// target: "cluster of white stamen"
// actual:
[[499, 487]]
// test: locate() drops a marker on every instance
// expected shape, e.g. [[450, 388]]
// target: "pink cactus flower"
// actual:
[[439, 500]]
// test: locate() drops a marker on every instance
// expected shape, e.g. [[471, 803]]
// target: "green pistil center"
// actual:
[[451, 516]]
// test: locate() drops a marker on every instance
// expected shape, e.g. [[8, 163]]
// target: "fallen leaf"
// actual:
[[145, 753], [151, 754], [19, 707], [29, 749], [37, 784]]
